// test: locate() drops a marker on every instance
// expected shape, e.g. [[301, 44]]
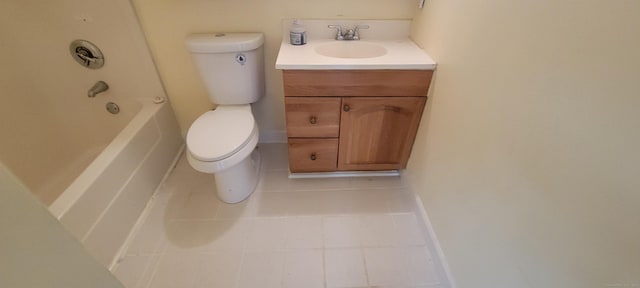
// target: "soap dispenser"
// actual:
[[297, 34]]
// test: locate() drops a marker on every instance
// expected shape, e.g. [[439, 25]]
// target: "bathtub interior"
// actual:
[[83, 140], [102, 205]]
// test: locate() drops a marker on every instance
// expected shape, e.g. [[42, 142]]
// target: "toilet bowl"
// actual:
[[222, 142]]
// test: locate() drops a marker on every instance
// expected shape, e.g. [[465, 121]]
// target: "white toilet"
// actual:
[[223, 141]]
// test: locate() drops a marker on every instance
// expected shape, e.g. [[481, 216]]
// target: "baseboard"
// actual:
[[344, 174], [273, 136], [428, 230]]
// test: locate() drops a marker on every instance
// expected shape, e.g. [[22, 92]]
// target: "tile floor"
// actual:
[[303, 233]]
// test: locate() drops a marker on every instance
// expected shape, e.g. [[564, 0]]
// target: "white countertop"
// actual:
[[401, 54], [393, 35]]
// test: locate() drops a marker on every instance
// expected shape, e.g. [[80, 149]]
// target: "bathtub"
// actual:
[[101, 206]]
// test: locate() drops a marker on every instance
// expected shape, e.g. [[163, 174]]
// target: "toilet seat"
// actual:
[[227, 163], [220, 133]]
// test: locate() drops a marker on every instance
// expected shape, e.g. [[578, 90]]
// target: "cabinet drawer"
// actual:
[[356, 82], [313, 155], [312, 116]]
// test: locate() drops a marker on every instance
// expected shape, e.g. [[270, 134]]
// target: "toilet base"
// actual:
[[238, 182]]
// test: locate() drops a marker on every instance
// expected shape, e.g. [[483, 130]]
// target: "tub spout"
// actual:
[[97, 88]]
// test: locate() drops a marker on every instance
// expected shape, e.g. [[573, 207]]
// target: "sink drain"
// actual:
[[113, 108]]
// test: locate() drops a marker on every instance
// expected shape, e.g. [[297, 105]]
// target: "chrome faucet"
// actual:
[[97, 88], [351, 34]]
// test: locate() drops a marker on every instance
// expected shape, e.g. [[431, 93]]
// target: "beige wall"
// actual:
[[167, 22], [527, 162], [36, 250]]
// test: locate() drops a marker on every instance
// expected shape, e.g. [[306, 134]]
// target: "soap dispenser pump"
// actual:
[[297, 34]]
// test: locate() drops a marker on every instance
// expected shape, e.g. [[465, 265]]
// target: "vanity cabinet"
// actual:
[[352, 120]]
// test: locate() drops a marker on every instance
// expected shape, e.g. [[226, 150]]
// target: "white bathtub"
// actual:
[[102, 205]]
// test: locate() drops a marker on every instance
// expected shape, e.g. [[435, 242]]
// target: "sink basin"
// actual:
[[350, 49]]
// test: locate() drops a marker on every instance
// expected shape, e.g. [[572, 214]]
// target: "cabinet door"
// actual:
[[377, 133]]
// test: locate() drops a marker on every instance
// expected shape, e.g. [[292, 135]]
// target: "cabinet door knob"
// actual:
[[313, 120], [313, 156], [346, 108]]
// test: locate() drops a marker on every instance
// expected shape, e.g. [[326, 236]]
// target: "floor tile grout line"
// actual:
[[161, 257], [154, 271], [346, 189], [325, 283], [142, 254], [154, 262], [242, 260], [364, 263], [283, 270]]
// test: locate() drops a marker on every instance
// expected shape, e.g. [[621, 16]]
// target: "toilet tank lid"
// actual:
[[224, 42]]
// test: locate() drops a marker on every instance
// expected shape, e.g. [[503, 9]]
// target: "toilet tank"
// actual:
[[230, 64]]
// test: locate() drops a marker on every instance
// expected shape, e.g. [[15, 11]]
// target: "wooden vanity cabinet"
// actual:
[[352, 120]]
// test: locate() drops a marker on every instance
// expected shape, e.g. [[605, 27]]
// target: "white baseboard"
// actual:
[[425, 223], [344, 174], [273, 136]]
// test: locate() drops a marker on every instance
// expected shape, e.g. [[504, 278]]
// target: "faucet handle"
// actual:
[[356, 34], [339, 35], [349, 34]]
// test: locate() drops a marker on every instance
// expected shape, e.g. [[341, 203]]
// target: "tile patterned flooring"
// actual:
[[303, 233]]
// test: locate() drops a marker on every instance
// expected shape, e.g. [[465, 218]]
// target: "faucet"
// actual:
[[351, 34], [97, 88]]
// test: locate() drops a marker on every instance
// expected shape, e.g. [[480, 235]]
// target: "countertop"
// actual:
[[401, 54]]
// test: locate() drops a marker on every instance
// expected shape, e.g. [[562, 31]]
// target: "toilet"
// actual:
[[223, 141]]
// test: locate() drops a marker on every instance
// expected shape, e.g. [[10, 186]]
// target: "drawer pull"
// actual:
[[346, 108], [313, 156], [313, 120]]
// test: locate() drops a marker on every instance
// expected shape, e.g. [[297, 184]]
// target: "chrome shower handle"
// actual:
[[86, 58]]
